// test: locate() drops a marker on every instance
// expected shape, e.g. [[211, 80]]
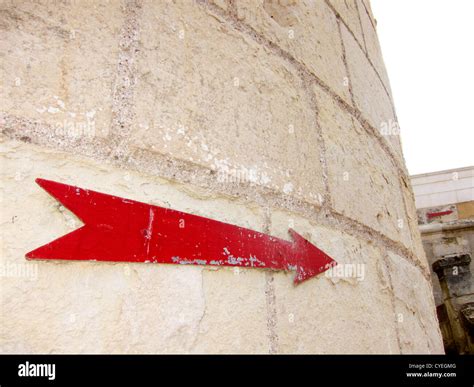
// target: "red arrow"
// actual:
[[122, 230]]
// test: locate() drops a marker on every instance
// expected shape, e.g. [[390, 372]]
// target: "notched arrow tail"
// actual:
[[98, 211]]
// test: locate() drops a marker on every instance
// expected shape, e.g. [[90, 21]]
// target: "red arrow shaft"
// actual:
[[118, 229]]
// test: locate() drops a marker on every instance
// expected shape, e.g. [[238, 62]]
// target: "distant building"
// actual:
[[445, 208]]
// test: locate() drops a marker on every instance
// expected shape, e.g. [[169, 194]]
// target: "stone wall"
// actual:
[[446, 231], [262, 114]]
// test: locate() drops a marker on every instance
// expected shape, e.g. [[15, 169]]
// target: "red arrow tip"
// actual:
[[311, 260]]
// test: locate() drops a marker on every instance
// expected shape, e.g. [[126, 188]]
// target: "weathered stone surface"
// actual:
[[373, 47], [307, 30], [58, 68], [368, 9], [455, 277], [348, 9], [312, 317], [446, 243], [365, 172], [235, 315], [412, 224], [414, 306], [369, 94], [216, 98]]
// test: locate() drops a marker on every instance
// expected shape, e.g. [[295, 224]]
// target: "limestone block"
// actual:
[[314, 316], [368, 9], [307, 30], [373, 47], [415, 309], [349, 11], [412, 224], [369, 94], [60, 69], [212, 96], [235, 315], [363, 183]]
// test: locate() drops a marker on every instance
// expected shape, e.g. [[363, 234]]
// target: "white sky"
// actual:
[[428, 50]]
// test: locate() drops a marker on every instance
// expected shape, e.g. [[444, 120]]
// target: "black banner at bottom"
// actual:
[[157, 370]]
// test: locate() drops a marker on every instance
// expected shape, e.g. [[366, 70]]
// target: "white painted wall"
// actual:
[[443, 187]]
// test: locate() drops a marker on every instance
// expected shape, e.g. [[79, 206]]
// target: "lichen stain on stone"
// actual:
[[283, 14]]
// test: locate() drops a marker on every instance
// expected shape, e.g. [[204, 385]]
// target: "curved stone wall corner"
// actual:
[[265, 114]]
